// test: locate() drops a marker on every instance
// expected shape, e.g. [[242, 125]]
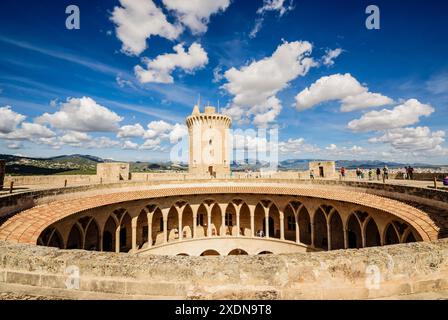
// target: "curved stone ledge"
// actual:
[[28, 225], [346, 274]]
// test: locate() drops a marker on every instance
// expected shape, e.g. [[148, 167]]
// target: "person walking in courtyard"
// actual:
[[378, 174]]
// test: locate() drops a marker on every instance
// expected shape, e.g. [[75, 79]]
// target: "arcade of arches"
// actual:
[[316, 223]]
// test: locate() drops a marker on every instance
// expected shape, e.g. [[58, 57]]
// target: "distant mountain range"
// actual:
[[86, 164]]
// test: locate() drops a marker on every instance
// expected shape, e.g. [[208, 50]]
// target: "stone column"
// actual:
[[282, 225], [149, 217], [195, 208], [296, 218], [134, 233], [345, 238], [222, 232], [209, 221], [180, 226], [165, 224], [312, 234], [266, 221], [238, 210], [117, 239], [100, 244], [328, 237], [252, 220]]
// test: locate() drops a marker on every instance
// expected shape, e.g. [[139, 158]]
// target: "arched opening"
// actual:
[[391, 236], [183, 255], [354, 234], [157, 227], [238, 252], [201, 222], [230, 220], [373, 238], [216, 220], [289, 224], [92, 242], [259, 221], [173, 224], [320, 230], [187, 222], [265, 252], [109, 235], [142, 229], [336, 231], [274, 222], [50, 237], [209, 253], [410, 238], [74, 238], [245, 220], [304, 226], [126, 233]]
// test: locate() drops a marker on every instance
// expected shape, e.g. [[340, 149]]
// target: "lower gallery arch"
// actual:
[[372, 234], [74, 238], [320, 230], [216, 221], [265, 252], [173, 224], [187, 222], [336, 231], [304, 226], [237, 252], [125, 233], [50, 237], [209, 253], [92, 240], [289, 224], [274, 222], [109, 235], [142, 229], [391, 235], [354, 235], [157, 226], [245, 229]]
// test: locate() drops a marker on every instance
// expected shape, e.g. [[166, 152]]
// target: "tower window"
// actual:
[[210, 142]]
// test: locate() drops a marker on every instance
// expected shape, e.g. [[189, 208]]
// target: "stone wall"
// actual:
[[347, 274], [2, 173]]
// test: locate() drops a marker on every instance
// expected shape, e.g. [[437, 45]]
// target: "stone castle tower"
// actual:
[[208, 142]]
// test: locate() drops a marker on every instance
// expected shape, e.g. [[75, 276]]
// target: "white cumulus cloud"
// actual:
[[402, 115], [137, 21], [344, 87], [82, 114], [330, 55], [195, 14], [9, 119], [131, 131], [159, 70], [254, 86]]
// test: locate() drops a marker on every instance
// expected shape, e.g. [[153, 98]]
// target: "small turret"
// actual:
[[196, 110]]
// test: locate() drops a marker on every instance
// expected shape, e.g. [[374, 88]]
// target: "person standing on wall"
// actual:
[[343, 172], [386, 173], [378, 174]]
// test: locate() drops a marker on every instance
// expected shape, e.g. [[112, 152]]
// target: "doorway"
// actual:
[[321, 172]]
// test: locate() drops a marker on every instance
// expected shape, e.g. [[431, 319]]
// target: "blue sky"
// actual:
[[76, 91]]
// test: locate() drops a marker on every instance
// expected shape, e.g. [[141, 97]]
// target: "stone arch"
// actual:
[[51, 237], [409, 237], [216, 220], [354, 234], [304, 226], [274, 221], [372, 234], [336, 231], [74, 240], [201, 221], [289, 223], [187, 222], [391, 235], [259, 218], [92, 236], [320, 230], [109, 234], [245, 227], [237, 252], [265, 252], [142, 229], [209, 253], [157, 226], [125, 233], [230, 220], [173, 224], [183, 255]]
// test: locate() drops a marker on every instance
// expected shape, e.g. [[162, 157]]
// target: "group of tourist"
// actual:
[[360, 173], [408, 173]]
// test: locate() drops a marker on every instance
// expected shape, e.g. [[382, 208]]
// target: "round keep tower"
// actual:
[[208, 142]]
